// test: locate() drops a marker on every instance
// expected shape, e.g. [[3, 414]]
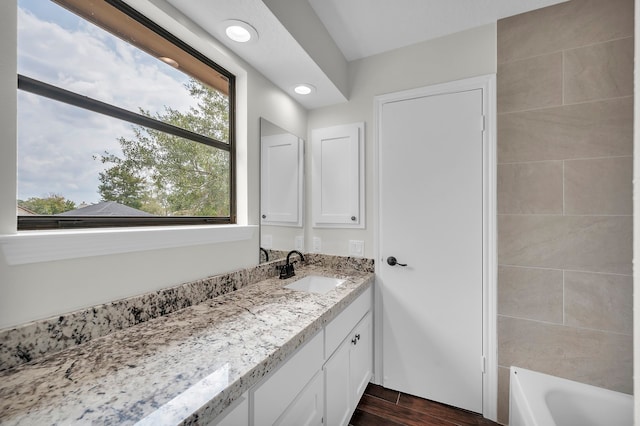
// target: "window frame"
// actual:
[[50, 222]]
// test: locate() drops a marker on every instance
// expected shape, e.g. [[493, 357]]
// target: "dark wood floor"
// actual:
[[385, 407]]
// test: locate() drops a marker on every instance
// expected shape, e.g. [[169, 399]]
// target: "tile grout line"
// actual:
[[551, 160], [562, 84], [565, 49], [564, 215], [559, 214], [564, 212], [576, 327], [564, 320], [561, 269], [542, 108]]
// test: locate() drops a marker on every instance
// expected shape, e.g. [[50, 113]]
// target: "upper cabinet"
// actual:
[[282, 172], [338, 176]]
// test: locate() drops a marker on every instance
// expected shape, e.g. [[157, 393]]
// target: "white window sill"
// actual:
[[44, 246]]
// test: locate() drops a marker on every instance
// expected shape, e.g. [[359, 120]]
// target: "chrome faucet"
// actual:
[[286, 270]]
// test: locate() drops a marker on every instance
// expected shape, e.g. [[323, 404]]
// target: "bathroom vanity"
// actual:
[[263, 354], [336, 362]]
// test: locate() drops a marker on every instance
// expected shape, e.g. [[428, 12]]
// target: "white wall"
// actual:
[[8, 114], [33, 291], [466, 54], [40, 290]]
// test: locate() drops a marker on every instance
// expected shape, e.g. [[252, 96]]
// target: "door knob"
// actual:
[[392, 261]]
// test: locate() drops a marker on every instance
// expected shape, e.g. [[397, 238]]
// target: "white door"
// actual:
[[431, 219]]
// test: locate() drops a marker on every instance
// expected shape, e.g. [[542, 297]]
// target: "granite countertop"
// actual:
[[183, 368]]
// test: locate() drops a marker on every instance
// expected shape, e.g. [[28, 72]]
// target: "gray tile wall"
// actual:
[[565, 126]]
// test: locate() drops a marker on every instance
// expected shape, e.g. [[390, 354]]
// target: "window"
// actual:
[[119, 122]]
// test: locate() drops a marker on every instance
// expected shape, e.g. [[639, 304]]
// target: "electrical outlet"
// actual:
[[356, 248], [267, 241], [317, 244], [299, 243]]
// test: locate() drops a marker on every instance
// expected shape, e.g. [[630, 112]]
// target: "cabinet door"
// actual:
[[278, 391], [282, 180], [308, 407], [338, 176], [235, 415], [361, 358], [338, 392]]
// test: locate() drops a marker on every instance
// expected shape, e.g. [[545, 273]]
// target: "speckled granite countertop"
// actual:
[[183, 368]]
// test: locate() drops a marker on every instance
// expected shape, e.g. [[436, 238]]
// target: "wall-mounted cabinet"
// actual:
[[338, 176], [282, 180]]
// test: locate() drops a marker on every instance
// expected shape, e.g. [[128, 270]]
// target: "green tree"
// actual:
[[119, 183], [165, 174], [51, 204]]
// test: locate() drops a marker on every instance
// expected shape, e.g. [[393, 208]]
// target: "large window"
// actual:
[[119, 122]]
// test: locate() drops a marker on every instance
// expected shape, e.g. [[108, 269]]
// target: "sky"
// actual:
[[57, 143]]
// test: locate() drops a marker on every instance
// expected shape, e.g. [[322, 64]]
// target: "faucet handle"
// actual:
[[286, 271]]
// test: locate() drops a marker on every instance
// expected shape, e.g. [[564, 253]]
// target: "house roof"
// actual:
[[105, 208], [21, 211]]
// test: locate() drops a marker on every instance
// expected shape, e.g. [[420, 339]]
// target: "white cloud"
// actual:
[[57, 142]]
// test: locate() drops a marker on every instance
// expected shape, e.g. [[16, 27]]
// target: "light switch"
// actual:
[[356, 248], [317, 244], [299, 243]]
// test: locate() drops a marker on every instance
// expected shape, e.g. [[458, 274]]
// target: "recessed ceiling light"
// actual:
[[169, 61], [304, 89], [240, 31]]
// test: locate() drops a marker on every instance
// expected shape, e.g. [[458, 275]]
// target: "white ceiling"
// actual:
[[359, 28], [363, 28], [276, 54]]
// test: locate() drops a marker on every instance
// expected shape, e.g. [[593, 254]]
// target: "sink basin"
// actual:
[[315, 284]]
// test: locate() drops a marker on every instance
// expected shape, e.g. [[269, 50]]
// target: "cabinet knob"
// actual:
[[264, 216], [353, 218], [354, 341]]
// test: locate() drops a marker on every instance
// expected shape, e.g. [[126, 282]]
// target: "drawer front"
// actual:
[[336, 331], [278, 391]]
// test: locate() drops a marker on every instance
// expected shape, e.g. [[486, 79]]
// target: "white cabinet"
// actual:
[[321, 383], [272, 397], [281, 180], [347, 373], [235, 415], [336, 375], [308, 407], [339, 328], [360, 359], [338, 176]]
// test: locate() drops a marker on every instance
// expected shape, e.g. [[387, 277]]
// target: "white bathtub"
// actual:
[[537, 399]]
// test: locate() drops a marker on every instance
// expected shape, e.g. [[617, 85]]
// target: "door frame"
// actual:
[[489, 254]]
